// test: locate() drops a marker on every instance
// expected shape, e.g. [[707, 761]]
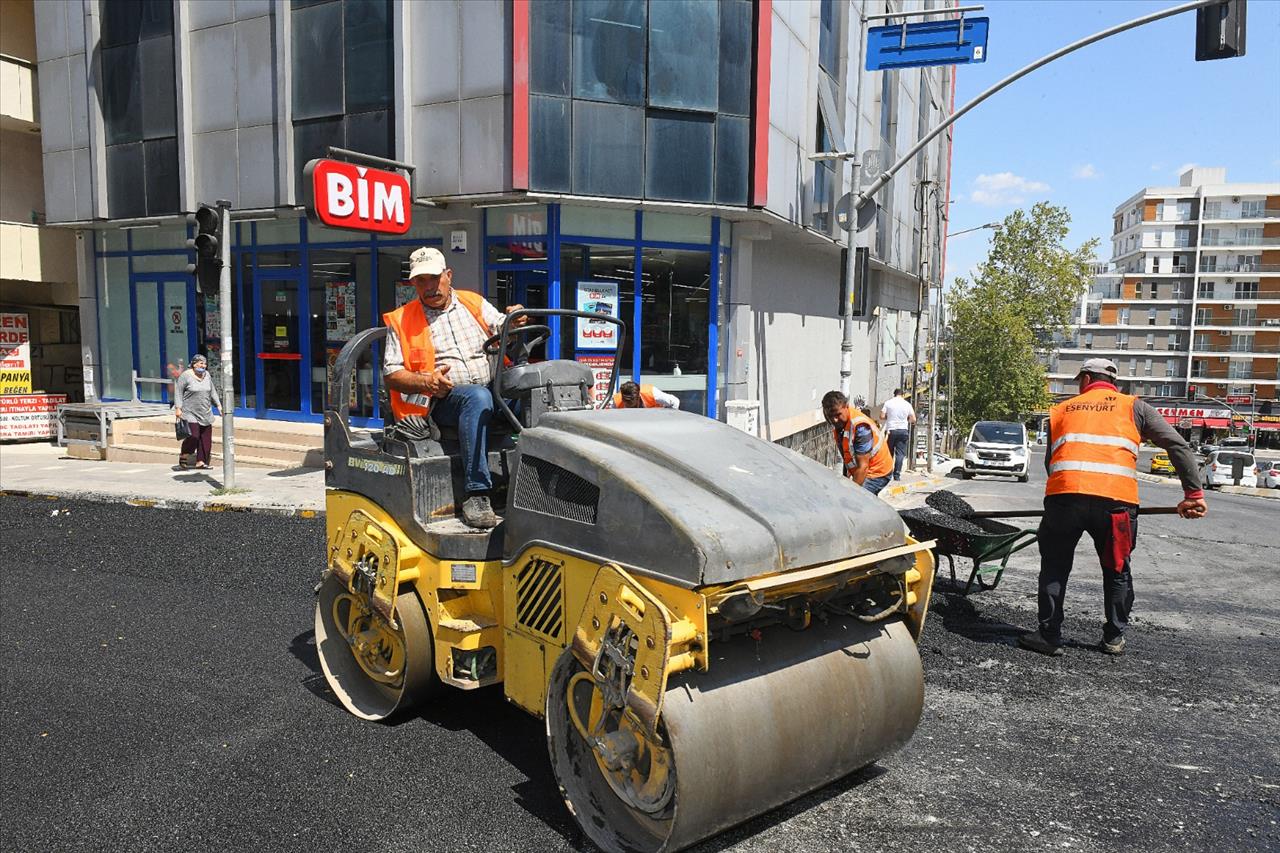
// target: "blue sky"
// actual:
[[1091, 129]]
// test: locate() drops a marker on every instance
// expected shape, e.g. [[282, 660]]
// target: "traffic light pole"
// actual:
[[228, 383]]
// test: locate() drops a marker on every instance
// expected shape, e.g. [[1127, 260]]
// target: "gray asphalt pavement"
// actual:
[[161, 692]]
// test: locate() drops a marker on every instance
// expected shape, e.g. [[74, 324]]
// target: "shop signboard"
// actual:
[[358, 198], [15, 354], [597, 297], [29, 416], [1239, 399], [602, 367]]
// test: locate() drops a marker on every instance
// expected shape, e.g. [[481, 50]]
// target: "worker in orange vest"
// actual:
[[867, 460], [1091, 459], [435, 364], [634, 396]]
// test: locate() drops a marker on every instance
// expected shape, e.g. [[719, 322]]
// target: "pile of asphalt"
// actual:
[[947, 501], [931, 516]]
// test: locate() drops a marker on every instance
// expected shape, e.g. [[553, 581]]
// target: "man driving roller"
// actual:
[[435, 363]]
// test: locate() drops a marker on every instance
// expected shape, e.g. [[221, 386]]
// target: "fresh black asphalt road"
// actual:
[[161, 692]]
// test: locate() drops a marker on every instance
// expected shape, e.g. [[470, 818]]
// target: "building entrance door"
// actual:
[[163, 310], [281, 343]]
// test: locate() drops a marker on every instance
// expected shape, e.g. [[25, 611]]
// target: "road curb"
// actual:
[[195, 504], [1265, 494], [918, 486]]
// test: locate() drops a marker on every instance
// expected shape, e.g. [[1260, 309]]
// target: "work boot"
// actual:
[[1037, 643], [477, 513], [1112, 647]]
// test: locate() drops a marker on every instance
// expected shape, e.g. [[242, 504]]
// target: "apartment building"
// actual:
[[38, 273], [658, 145], [1191, 297]]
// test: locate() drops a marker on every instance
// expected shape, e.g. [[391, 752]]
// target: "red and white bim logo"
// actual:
[[358, 198]]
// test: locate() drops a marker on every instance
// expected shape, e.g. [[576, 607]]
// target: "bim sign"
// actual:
[[344, 195]]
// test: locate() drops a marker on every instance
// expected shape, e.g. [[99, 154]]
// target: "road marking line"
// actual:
[[52, 468]]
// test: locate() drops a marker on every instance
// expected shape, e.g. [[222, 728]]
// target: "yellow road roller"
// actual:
[[710, 625]]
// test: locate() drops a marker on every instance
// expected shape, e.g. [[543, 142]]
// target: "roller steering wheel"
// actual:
[[521, 345]]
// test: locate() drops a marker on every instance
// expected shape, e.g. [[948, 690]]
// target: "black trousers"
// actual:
[[200, 442], [1113, 526]]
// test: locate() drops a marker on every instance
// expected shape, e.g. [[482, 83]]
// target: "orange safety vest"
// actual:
[[409, 322], [647, 399], [1095, 446], [881, 459]]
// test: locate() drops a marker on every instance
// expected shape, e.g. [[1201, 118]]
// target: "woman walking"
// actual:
[[194, 397]]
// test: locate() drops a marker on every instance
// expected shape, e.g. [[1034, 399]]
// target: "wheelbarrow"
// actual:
[[989, 550]]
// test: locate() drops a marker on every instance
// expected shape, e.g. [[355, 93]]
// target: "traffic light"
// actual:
[[1220, 30], [1193, 392], [207, 244]]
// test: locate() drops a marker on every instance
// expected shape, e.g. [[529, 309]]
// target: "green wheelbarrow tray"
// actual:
[[990, 551]]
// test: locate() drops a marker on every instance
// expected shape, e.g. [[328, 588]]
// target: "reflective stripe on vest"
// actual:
[[647, 398], [410, 324], [1095, 446], [880, 462]]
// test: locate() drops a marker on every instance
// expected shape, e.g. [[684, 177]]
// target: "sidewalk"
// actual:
[[45, 470], [1271, 494], [898, 495]]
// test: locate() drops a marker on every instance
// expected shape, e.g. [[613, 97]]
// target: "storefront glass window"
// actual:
[[341, 304], [422, 228], [614, 265], [160, 263], [598, 222], [676, 228], [115, 327], [274, 231], [678, 156], [516, 220], [116, 240], [169, 238], [673, 336]]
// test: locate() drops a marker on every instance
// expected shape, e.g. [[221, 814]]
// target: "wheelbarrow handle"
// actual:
[[1036, 513]]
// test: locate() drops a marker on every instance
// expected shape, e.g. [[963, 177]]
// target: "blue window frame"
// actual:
[[551, 249]]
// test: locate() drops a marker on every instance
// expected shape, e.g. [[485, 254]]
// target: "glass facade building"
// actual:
[[652, 152]]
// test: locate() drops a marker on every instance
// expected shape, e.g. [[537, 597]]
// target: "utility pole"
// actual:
[[228, 382], [922, 289]]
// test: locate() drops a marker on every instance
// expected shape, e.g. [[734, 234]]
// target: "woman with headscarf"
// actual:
[[194, 397]]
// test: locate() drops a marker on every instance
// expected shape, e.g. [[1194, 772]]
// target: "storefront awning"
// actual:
[[1266, 425], [1217, 423]]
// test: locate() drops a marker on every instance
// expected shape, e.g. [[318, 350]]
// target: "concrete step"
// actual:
[[281, 432], [285, 455], [144, 453]]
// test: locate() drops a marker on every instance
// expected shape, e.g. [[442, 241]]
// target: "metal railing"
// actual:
[[1236, 240], [1267, 213], [1231, 268]]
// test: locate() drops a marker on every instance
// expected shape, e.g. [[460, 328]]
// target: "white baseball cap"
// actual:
[[426, 261], [1099, 367]]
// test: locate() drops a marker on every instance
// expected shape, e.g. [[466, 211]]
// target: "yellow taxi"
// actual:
[[1160, 464]]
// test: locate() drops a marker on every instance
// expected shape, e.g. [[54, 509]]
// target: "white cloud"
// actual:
[[1004, 188], [1085, 172], [1157, 167]]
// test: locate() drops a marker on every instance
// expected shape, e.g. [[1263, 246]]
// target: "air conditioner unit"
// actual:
[[1224, 334], [1230, 281], [1229, 307], [1235, 199], [1223, 360]]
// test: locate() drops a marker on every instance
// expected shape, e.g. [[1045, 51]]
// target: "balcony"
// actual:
[[1260, 214], [1232, 240], [19, 94], [1237, 267]]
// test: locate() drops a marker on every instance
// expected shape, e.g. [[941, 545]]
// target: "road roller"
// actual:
[[710, 625]]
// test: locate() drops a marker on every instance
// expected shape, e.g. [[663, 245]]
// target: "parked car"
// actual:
[[942, 463], [1235, 441], [997, 447], [1216, 469], [1160, 464], [1270, 474]]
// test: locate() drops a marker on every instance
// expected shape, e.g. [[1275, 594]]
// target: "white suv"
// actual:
[[1216, 469], [998, 447]]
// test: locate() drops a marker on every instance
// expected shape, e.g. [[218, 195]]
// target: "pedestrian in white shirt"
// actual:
[[897, 415]]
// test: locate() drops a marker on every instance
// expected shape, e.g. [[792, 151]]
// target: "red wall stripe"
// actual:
[[520, 95], [760, 115]]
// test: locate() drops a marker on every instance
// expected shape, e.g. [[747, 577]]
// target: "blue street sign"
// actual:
[[950, 42]]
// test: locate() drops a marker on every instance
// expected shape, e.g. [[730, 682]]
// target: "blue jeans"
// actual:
[[898, 440], [874, 485], [469, 408]]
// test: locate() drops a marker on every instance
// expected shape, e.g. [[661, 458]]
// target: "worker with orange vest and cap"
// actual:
[[434, 363], [634, 396], [867, 460], [1091, 458]]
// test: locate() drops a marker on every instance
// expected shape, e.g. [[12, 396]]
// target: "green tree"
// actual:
[[1021, 299]]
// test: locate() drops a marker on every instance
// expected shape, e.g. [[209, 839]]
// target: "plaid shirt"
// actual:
[[458, 342]]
